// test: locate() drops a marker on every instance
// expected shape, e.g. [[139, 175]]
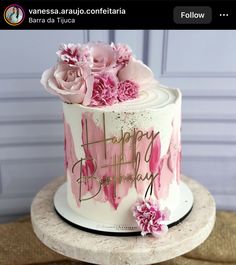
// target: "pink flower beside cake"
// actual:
[[150, 218], [122, 137]]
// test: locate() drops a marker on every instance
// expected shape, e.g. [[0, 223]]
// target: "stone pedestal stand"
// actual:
[[108, 250]]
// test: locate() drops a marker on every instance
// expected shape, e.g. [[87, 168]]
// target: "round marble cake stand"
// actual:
[[108, 250]]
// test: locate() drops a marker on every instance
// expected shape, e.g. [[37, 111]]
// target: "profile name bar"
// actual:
[[88, 14]]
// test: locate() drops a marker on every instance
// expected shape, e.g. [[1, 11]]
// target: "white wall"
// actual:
[[201, 63]]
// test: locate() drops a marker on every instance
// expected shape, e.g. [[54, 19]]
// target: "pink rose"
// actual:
[[127, 90], [150, 218], [136, 71], [71, 84], [123, 53], [103, 58], [74, 54], [104, 90]]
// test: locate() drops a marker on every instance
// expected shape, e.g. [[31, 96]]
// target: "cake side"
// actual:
[[119, 153]]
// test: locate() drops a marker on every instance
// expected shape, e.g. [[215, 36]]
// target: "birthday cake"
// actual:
[[122, 137]]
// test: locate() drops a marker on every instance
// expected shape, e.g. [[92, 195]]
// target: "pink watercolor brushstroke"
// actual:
[[155, 156], [71, 159], [74, 171], [97, 153], [170, 163]]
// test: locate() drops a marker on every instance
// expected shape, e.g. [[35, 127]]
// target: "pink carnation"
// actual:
[[123, 53], [104, 90], [150, 218], [74, 54], [127, 90]]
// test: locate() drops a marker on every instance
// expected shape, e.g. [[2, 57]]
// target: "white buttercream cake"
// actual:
[[122, 149]]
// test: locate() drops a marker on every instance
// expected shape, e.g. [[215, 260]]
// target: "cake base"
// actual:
[[81, 222], [79, 245]]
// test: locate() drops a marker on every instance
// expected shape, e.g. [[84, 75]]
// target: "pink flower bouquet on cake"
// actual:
[[96, 74]]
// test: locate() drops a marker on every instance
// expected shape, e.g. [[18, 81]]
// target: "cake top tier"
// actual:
[[97, 74]]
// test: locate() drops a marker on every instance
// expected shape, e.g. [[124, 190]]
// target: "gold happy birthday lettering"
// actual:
[[118, 161]]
